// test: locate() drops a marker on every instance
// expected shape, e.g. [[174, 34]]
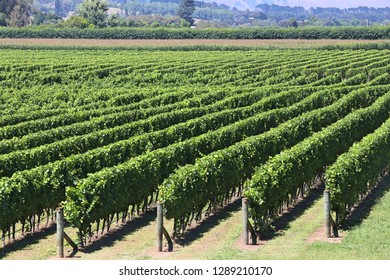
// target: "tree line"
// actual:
[[18, 13], [178, 13]]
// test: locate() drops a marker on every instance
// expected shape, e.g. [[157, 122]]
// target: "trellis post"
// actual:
[[160, 225], [60, 232], [161, 231], [327, 217], [245, 220], [248, 228]]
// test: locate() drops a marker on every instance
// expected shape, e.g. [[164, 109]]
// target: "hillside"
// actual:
[[251, 4]]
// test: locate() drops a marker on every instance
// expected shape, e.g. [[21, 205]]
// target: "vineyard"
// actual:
[[107, 133]]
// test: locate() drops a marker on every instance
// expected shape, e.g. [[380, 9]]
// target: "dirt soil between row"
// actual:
[[182, 42]]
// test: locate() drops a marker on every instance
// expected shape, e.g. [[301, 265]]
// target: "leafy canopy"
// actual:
[[94, 11]]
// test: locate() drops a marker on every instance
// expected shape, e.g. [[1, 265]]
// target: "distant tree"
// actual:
[[313, 21], [58, 7], [116, 21], [46, 18], [94, 11], [3, 19], [332, 22], [39, 18], [293, 23], [77, 22], [15, 13], [186, 9], [6, 6]]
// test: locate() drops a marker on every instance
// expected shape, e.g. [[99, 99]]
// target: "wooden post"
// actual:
[[245, 220], [70, 242], [160, 226], [168, 238], [60, 232], [327, 216], [253, 233], [334, 225]]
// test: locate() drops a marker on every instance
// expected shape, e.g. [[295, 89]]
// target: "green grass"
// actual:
[[368, 240], [220, 239]]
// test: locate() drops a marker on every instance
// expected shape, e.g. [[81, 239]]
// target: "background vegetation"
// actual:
[[179, 13], [366, 33]]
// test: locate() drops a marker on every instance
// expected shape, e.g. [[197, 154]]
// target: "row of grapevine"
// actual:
[[278, 179], [89, 88], [357, 170], [26, 159], [103, 131], [113, 189], [120, 100], [212, 177], [133, 103], [67, 172], [84, 122]]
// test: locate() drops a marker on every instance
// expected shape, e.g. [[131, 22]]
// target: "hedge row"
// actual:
[[364, 33]]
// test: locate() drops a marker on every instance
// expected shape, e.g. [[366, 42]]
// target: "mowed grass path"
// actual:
[[219, 238]]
